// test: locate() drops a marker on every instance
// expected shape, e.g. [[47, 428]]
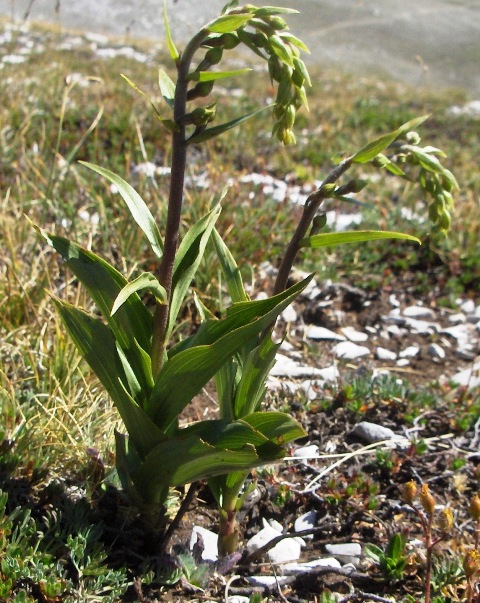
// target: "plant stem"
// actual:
[[429, 548], [175, 199], [173, 527], [312, 204]]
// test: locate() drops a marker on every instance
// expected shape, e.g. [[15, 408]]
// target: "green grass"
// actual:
[[55, 420]]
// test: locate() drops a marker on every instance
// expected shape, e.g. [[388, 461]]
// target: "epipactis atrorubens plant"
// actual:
[[152, 379]]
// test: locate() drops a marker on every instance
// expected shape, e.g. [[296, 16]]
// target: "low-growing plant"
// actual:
[[150, 376], [392, 561]]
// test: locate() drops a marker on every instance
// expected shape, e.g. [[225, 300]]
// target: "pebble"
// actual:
[[314, 332], [306, 521], [354, 335], [288, 549], [289, 314], [469, 377], [371, 432], [349, 350], [210, 543], [303, 568], [348, 552], [410, 352], [436, 351], [267, 581], [306, 451], [418, 312], [403, 362], [384, 354]]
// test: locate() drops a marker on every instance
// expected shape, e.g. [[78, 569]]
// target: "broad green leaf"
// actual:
[[278, 427], [211, 76], [145, 282], [184, 374], [216, 130], [230, 269], [189, 255], [167, 87], [170, 44], [97, 345], [265, 11], [339, 238], [373, 148], [229, 23], [139, 210], [133, 321], [134, 387], [225, 382], [251, 389]]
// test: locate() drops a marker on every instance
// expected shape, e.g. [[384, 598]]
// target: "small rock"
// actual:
[[306, 521], [354, 335], [238, 599], [267, 581], [410, 352], [460, 332], [394, 301], [288, 549], [418, 312], [422, 327], [306, 452], [314, 332], [384, 354], [303, 568], [289, 314], [349, 552], [468, 306], [456, 319], [371, 432], [286, 367], [403, 362], [436, 351], [210, 543], [469, 377], [349, 350]]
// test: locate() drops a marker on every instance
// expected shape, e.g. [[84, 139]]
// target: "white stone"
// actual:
[[469, 377], [470, 109], [422, 327], [307, 521], [468, 306], [459, 332], [436, 351], [289, 314], [371, 432], [286, 367], [267, 581], [394, 301], [349, 552], [314, 332], [340, 222], [354, 335], [210, 542], [303, 568], [384, 354], [403, 362], [307, 452], [410, 352], [456, 319], [238, 599], [418, 312], [349, 350]]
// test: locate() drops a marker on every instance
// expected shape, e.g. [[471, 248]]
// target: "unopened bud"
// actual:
[[475, 507], [410, 492], [445, 519], [413, 138], [471, 563], [426, 500]]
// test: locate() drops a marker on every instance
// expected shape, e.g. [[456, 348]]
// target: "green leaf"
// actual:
[[428, 162], [189, 255], [276, 426], [97, 345], [373, 148], [385, 162], [230, 269], [210, 76], [192, 363], [217, 130], [339, 238], [251, 389], [145, 282], [137, 89], [133, 322], [139, 210], [170, 44], [167, 87], [229, 23]]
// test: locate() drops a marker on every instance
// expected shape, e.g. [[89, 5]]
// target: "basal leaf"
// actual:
[[278, 427], [187, 371], [189, 255], [139, 210], [145, 282], [97, 345], [340, 238], [373, 148], [230, 269]]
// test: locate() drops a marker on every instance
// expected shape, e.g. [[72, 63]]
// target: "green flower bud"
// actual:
[[277, 22], [229, 40], [433, 212], [214, 55], [288, 118], [318, 223], [275, 68], [201, 89]]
